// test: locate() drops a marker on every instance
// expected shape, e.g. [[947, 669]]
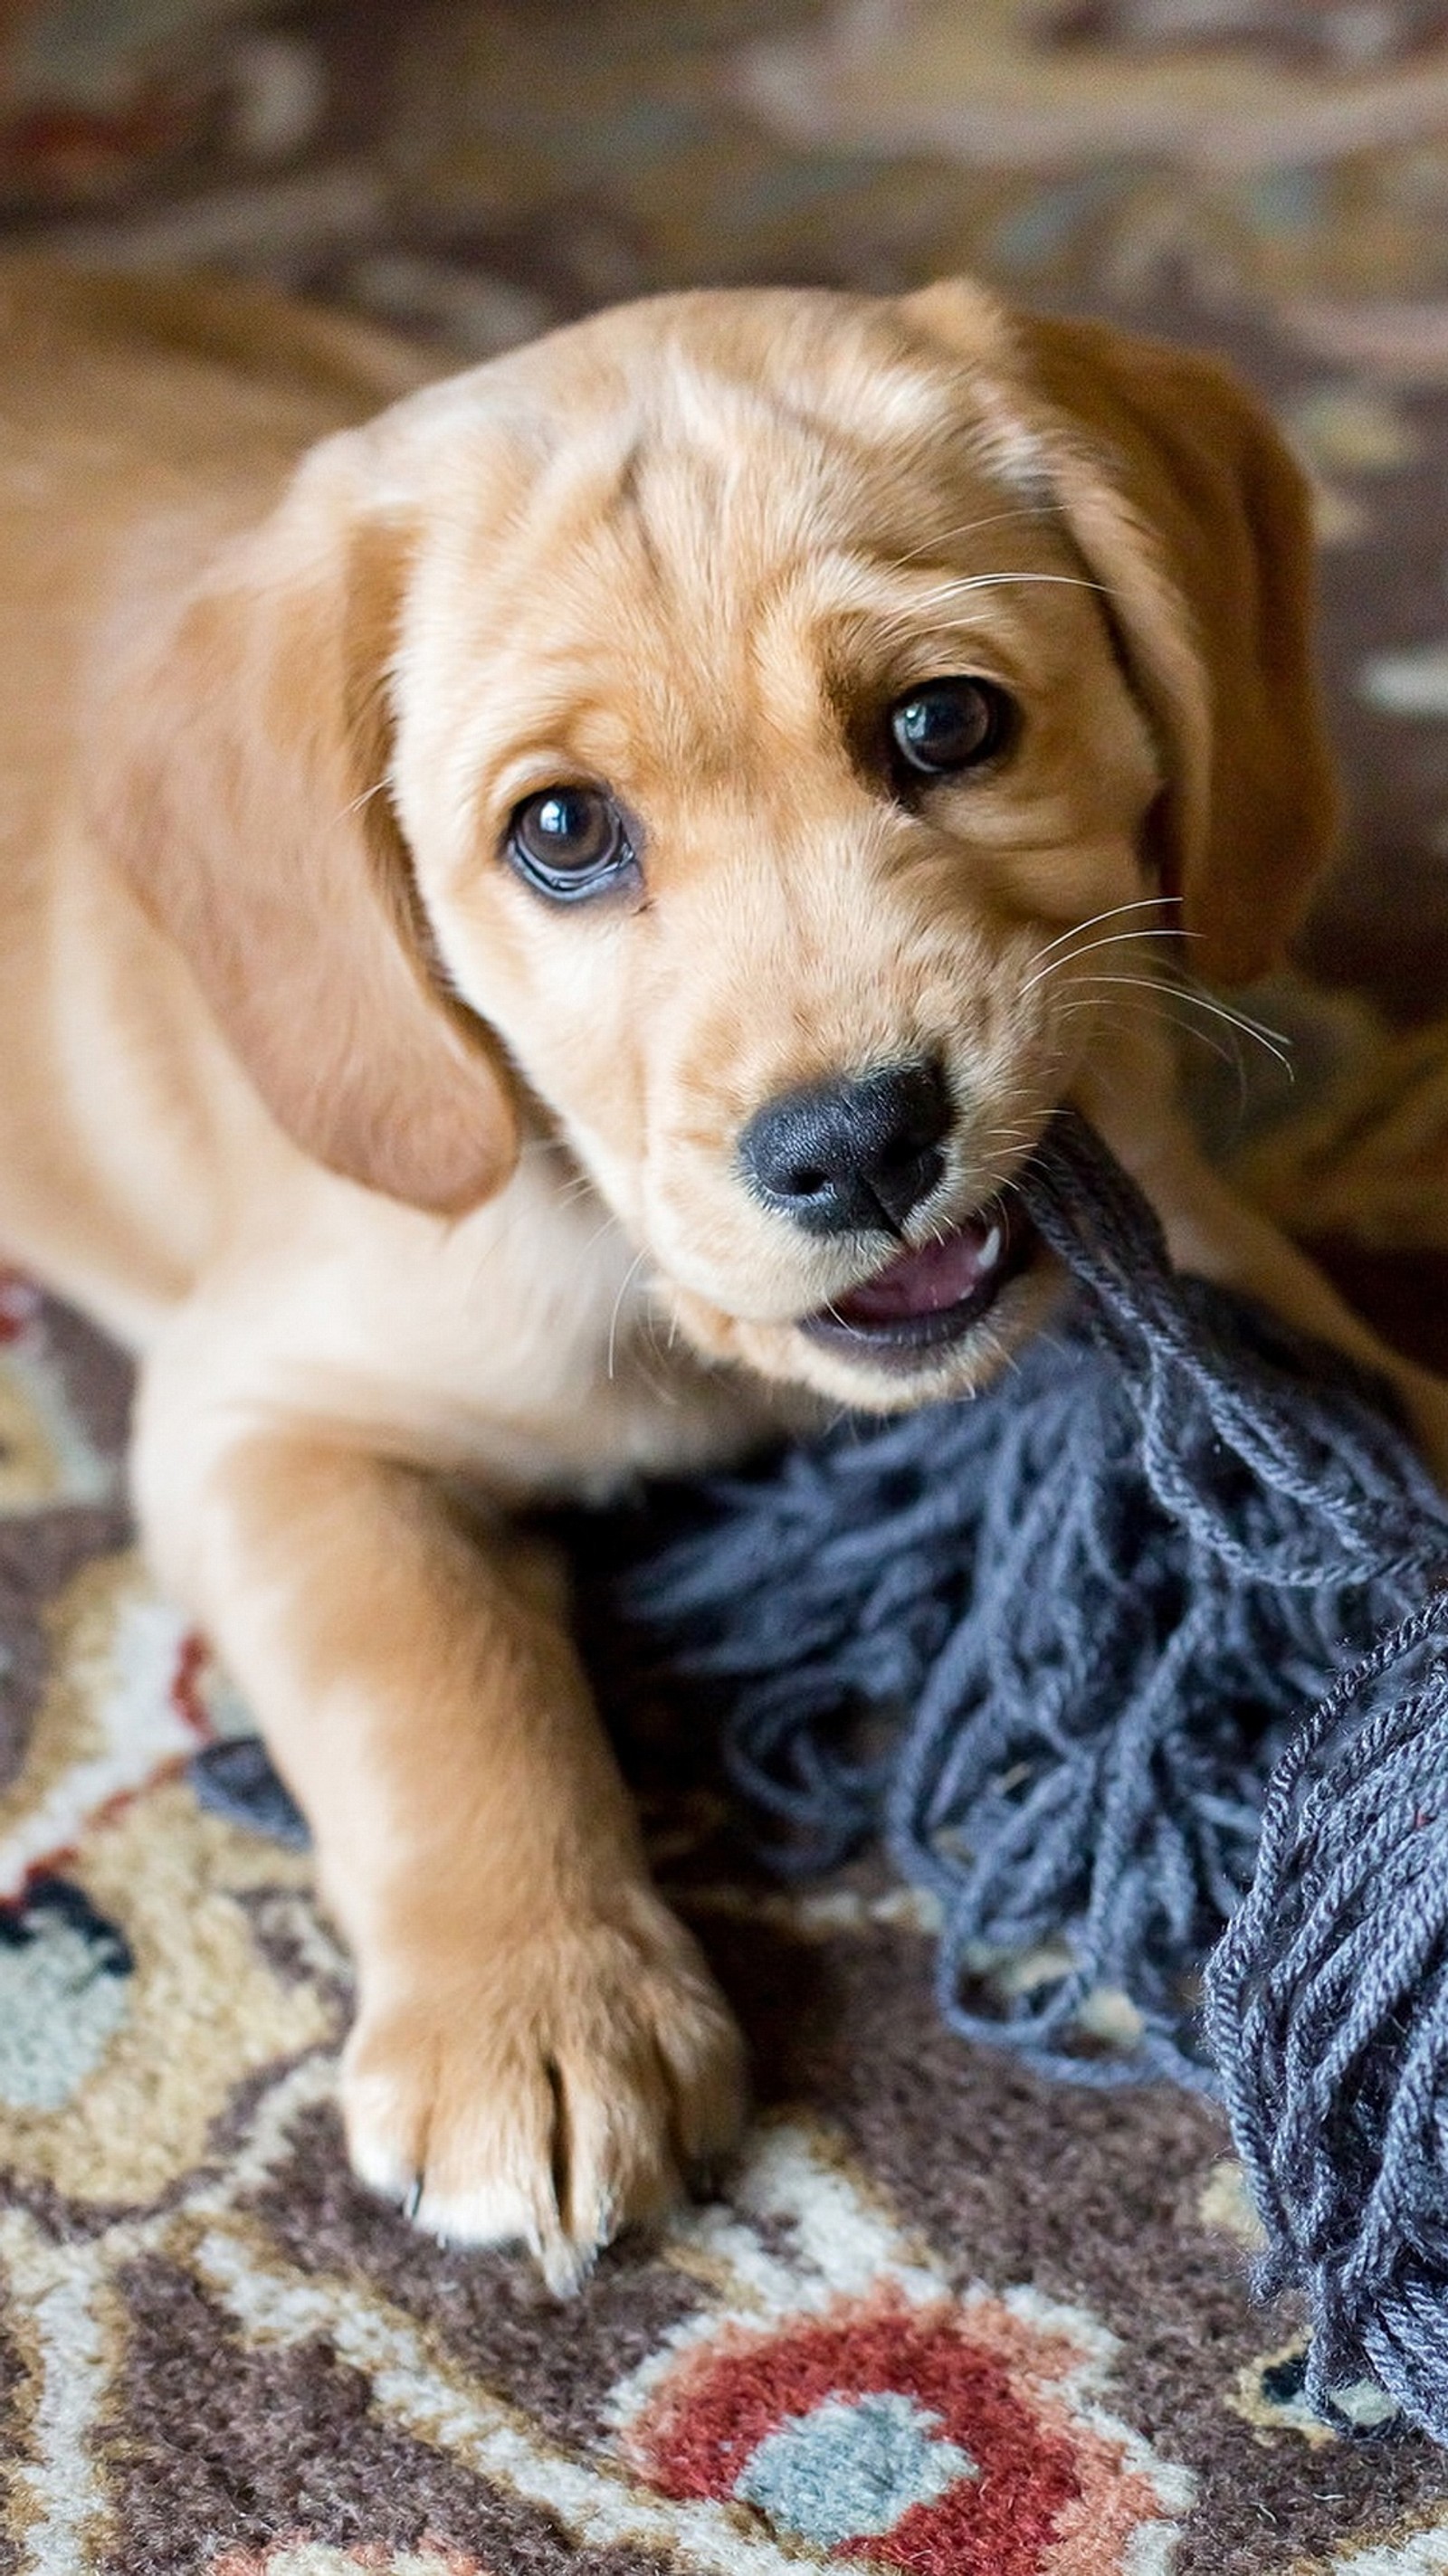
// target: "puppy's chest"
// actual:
[[522, 1347], [542, 1423]]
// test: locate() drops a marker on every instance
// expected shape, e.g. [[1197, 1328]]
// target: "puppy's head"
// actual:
[[729, 726]]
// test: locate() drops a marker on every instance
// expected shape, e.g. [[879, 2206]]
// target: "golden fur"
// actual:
[[400, 1180]]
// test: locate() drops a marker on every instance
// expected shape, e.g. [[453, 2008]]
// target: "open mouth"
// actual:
[[931, 1295]]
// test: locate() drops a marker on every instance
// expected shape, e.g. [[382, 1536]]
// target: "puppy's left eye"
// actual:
[[570, 842], [949, 725]]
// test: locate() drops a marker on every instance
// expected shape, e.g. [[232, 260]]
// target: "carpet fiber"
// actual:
[[946, 2319]]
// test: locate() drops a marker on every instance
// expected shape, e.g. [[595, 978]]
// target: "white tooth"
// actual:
[[993, 1246]]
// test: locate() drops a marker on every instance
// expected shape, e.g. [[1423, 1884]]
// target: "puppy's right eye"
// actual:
[[570, 842], [946, 726]]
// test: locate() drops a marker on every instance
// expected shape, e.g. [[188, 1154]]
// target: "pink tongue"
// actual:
[[927, 1281]]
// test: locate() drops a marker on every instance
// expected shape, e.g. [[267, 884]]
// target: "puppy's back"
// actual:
[[140, 420], [137, 416]]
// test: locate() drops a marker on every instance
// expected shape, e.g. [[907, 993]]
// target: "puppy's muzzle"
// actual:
[[858, 1153]]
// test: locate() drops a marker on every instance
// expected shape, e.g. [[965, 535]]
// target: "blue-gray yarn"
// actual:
[[1099, 1604], [1062, 1646], [1327, 2009], [235, 1778]]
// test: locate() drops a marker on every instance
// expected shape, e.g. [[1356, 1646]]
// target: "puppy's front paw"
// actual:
[[551, 2088]]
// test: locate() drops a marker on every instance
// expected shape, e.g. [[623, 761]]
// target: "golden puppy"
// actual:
[[538, 925]]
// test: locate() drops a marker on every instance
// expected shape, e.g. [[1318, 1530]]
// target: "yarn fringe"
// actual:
[[1142, 1652]]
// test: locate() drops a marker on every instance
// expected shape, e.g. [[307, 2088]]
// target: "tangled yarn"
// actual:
[[1062, 1647], [1138, 1663]]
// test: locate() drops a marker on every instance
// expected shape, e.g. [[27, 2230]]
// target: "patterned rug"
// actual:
[[944, 2320]]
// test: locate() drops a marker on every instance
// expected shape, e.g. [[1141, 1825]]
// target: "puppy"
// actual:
[[537, 928]]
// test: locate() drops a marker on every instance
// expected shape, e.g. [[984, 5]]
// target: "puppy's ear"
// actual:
[[1187, 507], [242, 786]]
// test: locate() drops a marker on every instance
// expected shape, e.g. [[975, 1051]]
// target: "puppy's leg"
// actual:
[[539, 2051]]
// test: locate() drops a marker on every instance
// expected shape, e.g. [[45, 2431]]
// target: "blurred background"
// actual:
[[1266, 177]]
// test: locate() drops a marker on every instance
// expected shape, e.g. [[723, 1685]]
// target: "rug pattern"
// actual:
[[944, 2320]]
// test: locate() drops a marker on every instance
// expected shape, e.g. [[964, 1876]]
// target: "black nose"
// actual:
[[847, 1154]]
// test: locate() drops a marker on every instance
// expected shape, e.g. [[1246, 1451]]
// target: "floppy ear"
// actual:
[[1186, 505], [243, 788]]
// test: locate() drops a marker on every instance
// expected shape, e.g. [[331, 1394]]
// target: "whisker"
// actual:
[[1108, 1014], [1005, 580], [1229, 1054], [1113, 939], [366, 797], [1113, 912], [1259, 1028], [1276, 1041], [629, 1276], [972, 528], [659, 1379], [1264, 1036]]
